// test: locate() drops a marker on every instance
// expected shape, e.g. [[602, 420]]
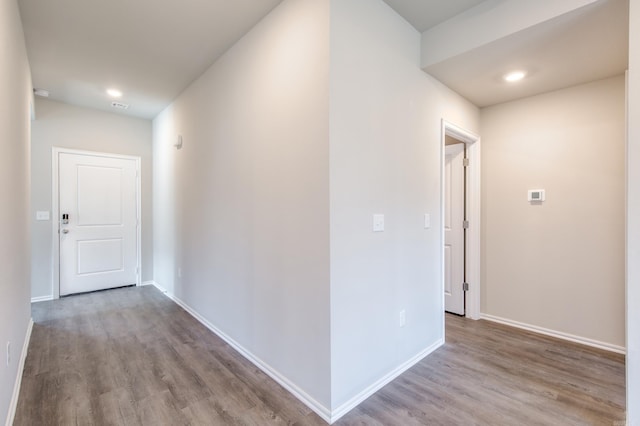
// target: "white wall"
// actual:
[[385, 158], [558, 265], [15, 86], [61, 125], [633, 213], [242, 209]]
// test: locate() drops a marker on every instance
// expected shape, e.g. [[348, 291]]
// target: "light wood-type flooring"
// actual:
[[133, 357]]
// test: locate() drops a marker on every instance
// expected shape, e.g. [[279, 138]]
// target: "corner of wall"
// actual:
[[633, 212]]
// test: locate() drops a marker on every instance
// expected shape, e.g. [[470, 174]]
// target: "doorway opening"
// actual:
[[454, 220], [460, 201]]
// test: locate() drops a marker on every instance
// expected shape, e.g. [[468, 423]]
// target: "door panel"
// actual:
[[95, 256], [99, 196], [98, 245], [453, 228], [447, 268]]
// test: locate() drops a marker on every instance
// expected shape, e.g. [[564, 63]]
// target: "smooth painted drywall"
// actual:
[[488, 21], [560, 264], [633, 213], [385, 121], [241, 212], [66, 126], [15, 86]]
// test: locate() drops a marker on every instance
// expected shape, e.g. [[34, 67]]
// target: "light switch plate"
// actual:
[[378, 222], [427, 221], [42, 215]]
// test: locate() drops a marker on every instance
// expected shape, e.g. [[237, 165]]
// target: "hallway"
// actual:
[[132, 356]]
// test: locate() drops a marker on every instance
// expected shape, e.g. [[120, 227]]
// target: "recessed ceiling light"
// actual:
[[515, 76], [114, 93]]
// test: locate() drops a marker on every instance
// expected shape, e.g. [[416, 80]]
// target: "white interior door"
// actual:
[[453, 228], [98, 198]]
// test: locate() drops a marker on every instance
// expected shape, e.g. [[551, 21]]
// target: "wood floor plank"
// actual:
[[117, 407], [133, 357], [206, 412], [160, 409]]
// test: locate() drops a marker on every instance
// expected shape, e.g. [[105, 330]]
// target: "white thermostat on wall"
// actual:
[[536, 195]]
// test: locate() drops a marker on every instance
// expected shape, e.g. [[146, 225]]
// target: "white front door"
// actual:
[[98, 222], [453, 228]]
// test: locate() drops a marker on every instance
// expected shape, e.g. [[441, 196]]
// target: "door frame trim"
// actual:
[[55, 213], [472, 250]]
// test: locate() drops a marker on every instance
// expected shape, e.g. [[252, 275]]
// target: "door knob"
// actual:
[[65, 231]]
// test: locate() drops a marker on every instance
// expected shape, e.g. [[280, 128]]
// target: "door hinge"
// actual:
[[465, 286], [465, 162], [137, 270], [465, 224]]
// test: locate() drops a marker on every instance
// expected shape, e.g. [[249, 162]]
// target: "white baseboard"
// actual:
[[41, 299], [330, 416], [379, 384], [153, 283], [305, 398], [16, 387], [557, 334], [160, 288]]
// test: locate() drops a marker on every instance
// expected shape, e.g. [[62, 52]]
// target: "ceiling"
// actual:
[[149, 50], [79, 48], [584, 45], [424, 14]]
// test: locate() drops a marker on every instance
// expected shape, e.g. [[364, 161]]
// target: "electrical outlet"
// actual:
[[8, 353], [403, 318]]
